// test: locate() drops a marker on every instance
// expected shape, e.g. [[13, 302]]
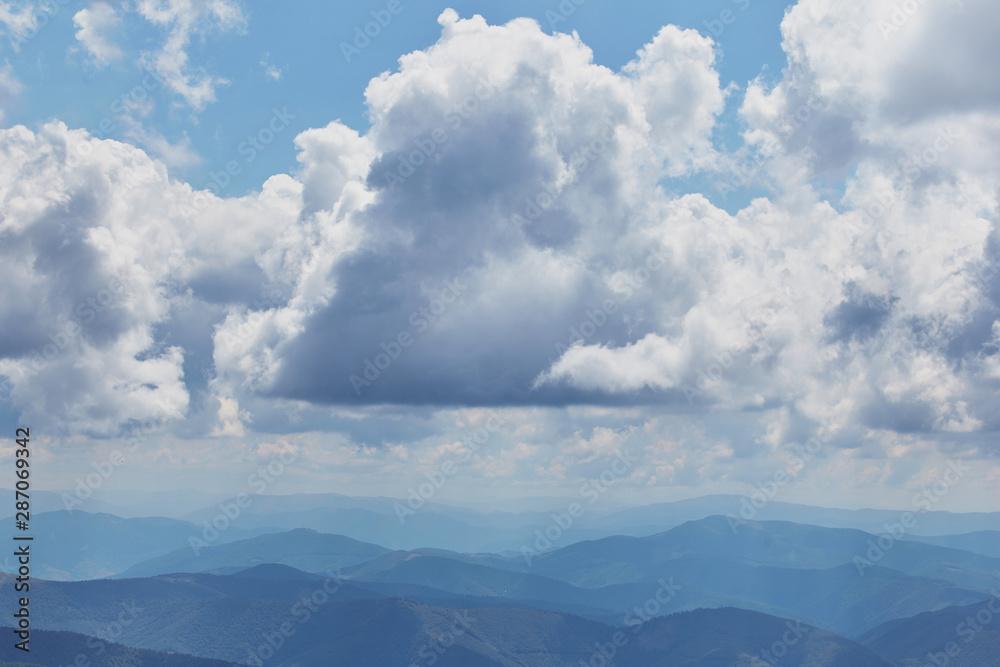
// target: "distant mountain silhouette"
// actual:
[[836, 598], [302, 548], [50, 648], [985, 542], [79, 545], [230, 618], [927, 638], [774, 543], [780, 568], [737, 594]]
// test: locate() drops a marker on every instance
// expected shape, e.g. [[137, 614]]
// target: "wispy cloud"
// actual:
[[93, 27]]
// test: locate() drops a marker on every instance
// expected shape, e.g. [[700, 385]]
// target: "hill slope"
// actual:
[[302, 549], [985, 542], [835, 598], [69, 648], [770, 543], [242, 619], [957, 636], [78, 545]]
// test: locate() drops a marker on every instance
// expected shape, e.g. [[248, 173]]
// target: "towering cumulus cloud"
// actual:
[[506, 233]]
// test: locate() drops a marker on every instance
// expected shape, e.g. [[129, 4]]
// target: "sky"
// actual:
[[501, 245]]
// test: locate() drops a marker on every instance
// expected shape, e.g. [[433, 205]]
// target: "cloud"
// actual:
[[93, 25], [504, 234], [178, 155], [19, 19], [555, 270], [483, 126], [10, 87], [889, 77], [183, 19], [102, 249], [273, 72], [677, 85], [231, 419]]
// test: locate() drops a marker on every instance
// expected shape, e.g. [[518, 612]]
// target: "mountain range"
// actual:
[[709, 590]]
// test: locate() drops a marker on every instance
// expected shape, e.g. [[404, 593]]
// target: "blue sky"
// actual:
[[301, 45], [711, 233]]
